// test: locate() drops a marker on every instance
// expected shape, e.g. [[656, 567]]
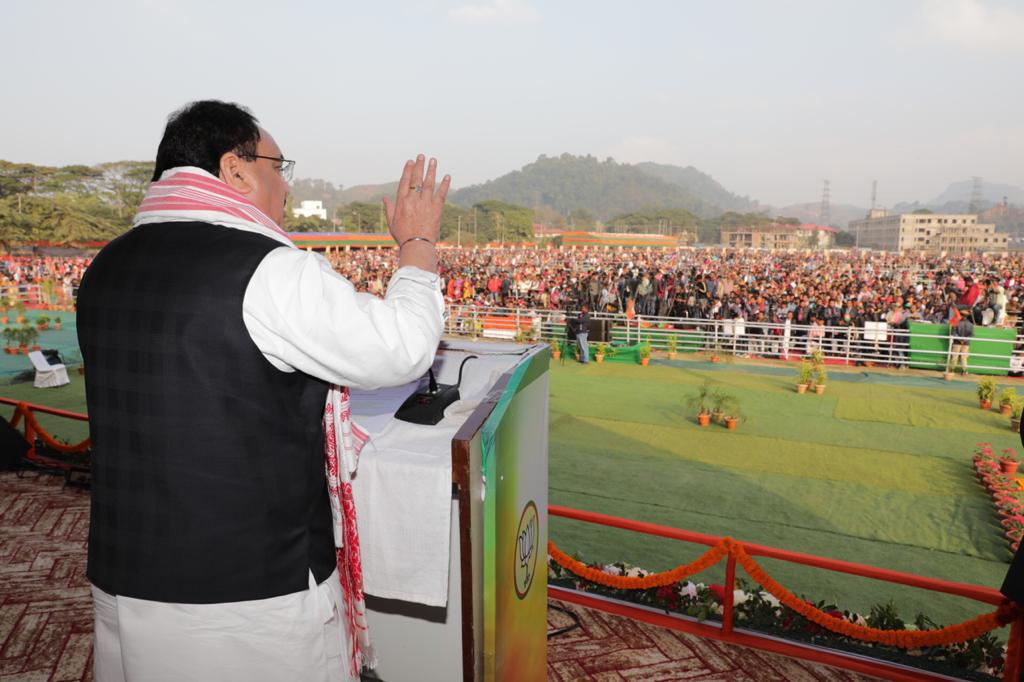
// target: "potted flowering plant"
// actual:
[[803, 379], [672, 343], [1007, 397], [1008, 463], [600, 351], [699, 402], [556, 348], [986, 392], [43, 322]]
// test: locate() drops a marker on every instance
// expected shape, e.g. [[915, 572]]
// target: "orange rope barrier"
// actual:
[[904, 639], [22, 410]]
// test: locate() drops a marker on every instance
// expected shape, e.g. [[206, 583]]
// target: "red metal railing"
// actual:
[[726, 631], [30, 434]]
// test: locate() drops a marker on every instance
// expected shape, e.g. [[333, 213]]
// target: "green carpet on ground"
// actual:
[[873, 472]]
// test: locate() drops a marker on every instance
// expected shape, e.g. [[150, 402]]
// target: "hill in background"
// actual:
[[606, 188]]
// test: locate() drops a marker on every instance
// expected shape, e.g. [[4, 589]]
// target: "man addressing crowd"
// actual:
[[223, 544]]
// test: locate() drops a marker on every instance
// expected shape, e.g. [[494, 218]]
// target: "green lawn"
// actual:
[[876, 471]]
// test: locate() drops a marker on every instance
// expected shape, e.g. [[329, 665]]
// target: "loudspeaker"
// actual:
[[599, 332]]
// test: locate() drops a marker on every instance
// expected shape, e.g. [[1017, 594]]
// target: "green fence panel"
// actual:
[[986, 341]]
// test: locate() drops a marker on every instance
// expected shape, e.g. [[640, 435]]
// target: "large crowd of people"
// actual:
[[830, 289], [833, 288]]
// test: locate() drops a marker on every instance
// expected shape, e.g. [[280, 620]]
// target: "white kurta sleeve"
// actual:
[[304, 316]]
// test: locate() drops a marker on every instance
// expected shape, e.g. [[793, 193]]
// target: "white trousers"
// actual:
[[298, 636]]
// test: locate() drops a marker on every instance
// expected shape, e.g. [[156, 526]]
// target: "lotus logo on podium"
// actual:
[[526, 549]]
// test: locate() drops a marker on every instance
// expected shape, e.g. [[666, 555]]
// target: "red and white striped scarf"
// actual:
[[191, 194]]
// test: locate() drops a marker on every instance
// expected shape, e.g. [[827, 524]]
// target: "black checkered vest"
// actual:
[[208, 469]]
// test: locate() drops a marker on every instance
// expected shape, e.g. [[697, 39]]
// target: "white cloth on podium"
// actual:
[[403, 489], [47, 375]]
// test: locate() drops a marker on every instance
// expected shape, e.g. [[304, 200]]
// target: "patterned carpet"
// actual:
[[608, 648], [45, 607], [46, 612]]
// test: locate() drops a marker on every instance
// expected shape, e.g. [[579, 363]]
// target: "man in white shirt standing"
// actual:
[[213, 346]]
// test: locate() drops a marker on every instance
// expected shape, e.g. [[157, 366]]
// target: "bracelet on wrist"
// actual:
[[413, 239]]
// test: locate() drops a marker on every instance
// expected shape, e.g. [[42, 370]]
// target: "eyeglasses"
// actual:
[[284, 170]]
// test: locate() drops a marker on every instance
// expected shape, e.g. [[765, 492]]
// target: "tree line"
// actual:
[[76, 204]]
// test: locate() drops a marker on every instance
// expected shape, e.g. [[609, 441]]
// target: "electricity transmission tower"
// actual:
[[975, 206], [825, 214]]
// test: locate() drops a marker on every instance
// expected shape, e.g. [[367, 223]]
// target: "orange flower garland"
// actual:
[[22, 410], [903, 639], [620, 582]]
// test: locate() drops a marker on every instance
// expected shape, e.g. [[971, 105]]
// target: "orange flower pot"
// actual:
[[704, 419], [801, 388], [1006, 410], [730, 423], [556, 355], [645, 361], [985, 404]]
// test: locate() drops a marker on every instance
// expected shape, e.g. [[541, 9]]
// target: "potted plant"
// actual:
[[819, 378], [31, 334], [21, 336], [43, 322], [803, 379], [4, 317], [1007, 397], [20, 308], [1008, 462], [599, 351], [731, 407], [716, 351], [645, 353], [673, 346], [699, 401], [720, 402], [9, 337], [556, 348], [57, 323], [1018, 407], [987, 392]]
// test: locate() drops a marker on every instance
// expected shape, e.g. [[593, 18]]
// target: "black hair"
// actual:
[[201, 132]]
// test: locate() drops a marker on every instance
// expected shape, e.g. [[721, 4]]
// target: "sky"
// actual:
[[768, 97]]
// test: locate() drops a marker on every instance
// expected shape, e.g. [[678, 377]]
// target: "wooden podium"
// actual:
[[494, 624]]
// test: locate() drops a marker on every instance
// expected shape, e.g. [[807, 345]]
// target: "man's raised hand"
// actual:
[[419, 201]]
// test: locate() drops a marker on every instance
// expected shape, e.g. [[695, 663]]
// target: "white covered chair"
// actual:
[[47, 375]]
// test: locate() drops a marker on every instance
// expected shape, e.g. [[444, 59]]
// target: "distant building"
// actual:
[[778, 236], [929, 232], [310, 209]]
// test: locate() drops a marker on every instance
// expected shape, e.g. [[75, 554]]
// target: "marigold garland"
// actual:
[[903, 639], [22, 410], [702, 563]]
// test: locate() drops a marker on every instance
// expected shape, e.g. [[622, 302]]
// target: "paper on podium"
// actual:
[[403, 487]]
